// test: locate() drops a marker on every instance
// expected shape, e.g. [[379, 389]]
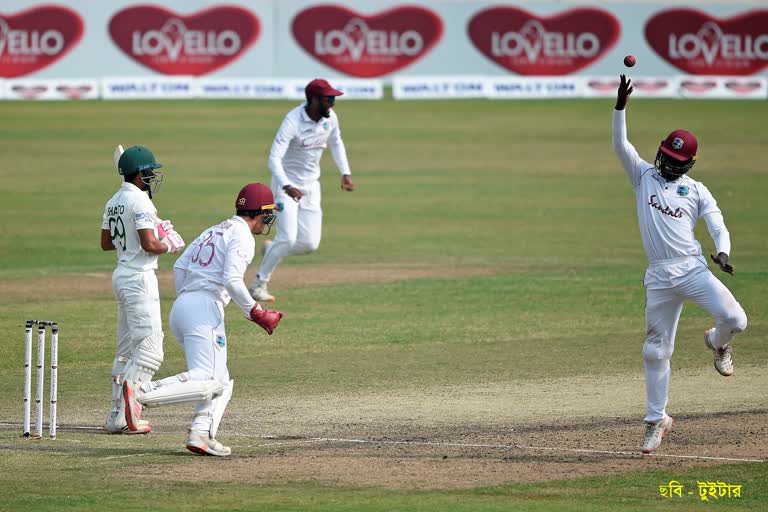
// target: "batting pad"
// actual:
[[182, 393]]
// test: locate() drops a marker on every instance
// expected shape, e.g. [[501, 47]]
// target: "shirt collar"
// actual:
[[238, 218], [304, 116], [130, 186], [661, 179]]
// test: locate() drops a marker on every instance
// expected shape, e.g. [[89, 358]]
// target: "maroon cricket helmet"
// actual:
[[680, 145], [254, 197], [320, 87]]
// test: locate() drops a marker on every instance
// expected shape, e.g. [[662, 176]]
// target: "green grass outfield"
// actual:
[[520, 210]]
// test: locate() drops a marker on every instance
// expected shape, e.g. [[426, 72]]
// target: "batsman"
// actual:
[[130, 227]]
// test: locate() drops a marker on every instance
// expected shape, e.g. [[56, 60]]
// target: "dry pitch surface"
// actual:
[[452, 436]]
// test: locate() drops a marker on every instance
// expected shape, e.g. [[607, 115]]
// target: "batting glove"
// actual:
[[169, 237]]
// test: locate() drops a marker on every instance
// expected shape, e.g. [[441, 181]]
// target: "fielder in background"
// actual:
[[130, 227], [207, 276], [669, 203], [294, 162]]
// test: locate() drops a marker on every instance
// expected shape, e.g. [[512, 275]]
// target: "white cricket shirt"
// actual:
[[294, 158], [129, 210], [215, 263], [667, 212]]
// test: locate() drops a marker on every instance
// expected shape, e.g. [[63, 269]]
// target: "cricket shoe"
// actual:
[[723, 356], [115, 424], [654, 433], [261, 294], [202, 443], [133, 407]]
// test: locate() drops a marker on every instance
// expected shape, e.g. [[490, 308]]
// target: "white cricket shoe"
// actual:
[[723, 356], [654, 433], [202, 443], [116, 424], [260, 293]]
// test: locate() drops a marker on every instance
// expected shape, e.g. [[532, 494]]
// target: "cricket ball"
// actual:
[[630, 61]]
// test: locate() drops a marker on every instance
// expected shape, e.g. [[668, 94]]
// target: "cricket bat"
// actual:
[[116, 155]]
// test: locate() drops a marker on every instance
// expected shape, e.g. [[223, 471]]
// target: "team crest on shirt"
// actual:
[[682, 190], [221, 340], [325, 125]]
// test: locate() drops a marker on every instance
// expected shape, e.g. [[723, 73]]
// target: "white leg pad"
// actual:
[[145, 359], [219, 404], [118, 366], [182, 393]]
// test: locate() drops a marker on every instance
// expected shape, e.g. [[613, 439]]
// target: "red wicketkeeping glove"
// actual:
[[266, 318]]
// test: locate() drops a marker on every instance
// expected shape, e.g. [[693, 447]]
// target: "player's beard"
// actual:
[[326, 112], [671, 171]]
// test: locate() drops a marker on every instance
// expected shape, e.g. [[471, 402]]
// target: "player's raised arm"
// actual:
[[631, 162]]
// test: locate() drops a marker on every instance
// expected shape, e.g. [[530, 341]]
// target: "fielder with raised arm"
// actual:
[[669, 203], [131, 227], [294, 161], [207, 276]]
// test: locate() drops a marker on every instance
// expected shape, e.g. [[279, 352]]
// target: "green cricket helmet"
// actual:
[[138, 159]]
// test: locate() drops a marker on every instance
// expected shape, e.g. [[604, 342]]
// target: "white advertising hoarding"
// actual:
[[440, 48], [50, 89], [378, 39]]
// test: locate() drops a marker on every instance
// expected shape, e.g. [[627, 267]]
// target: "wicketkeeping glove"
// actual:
[[266, 318]]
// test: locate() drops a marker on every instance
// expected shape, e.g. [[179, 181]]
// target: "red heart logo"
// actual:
[[174, 44], [36, 38], [697, 87], [527, 44], [743, 87], [700, 44], [367, 46]]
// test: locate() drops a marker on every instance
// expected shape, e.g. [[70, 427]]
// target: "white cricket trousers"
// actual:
[[138, 308], [197, 321], [299, 227], [662, 313], [139, 325]]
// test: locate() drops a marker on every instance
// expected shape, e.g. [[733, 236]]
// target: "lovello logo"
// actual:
[[743, 87], [36, 38], [527, 44], [700, 44], [367, 46], [74, 92], [648, 85], [175, 44], [29, 92], [697, 86]]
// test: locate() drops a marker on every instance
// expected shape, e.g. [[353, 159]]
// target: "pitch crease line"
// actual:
[[535, 448]]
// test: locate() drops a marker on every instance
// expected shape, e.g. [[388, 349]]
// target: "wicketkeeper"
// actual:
[[207, 276]]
